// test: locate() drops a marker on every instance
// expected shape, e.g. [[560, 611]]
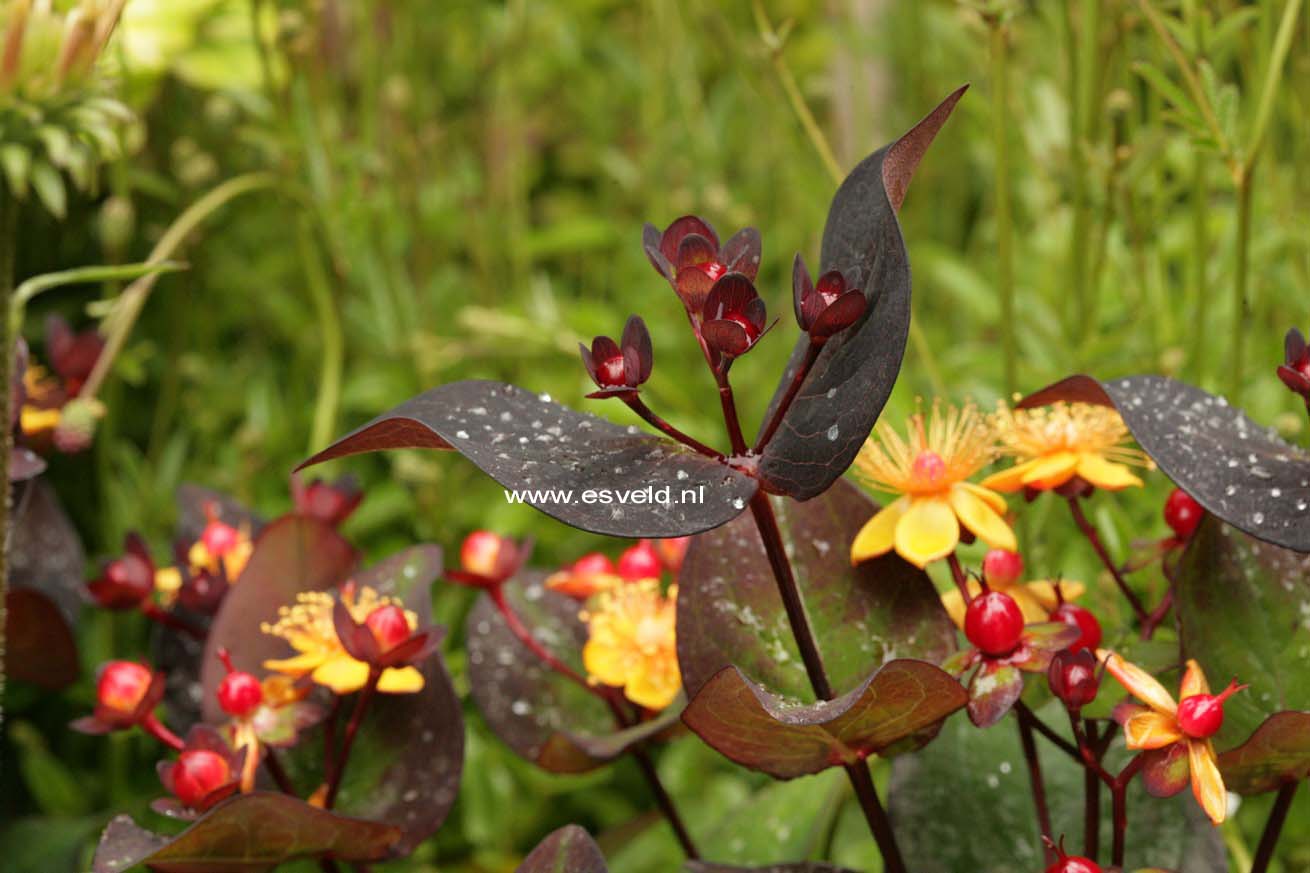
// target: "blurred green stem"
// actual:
[[329, 322], [8, 250], [1004, 229], [1200, 202], [1241, 299]]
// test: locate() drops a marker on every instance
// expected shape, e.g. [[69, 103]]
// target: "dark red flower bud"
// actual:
[[732, 320], [1002, 567], [197, 774], [993, 623], [827, 308], [1201, 715], [1182, 513], [206, 771], [389, 626], [1088, 627], [689, 256], [640, 562], [329, 502], [240, 693], [72, 355], [126, 582], [620, 367], [1073, 677], [1295, 370], [487, 559]]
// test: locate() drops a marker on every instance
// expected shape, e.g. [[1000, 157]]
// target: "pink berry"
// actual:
[[240, 693], [1073, 678], [994, 623], [480, 553], [640, 562], [1002, 567], [1201, 715], [593, 564], [1182, 513], [122, 686]]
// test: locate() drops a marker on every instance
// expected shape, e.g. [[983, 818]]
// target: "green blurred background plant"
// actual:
[[459, 193]]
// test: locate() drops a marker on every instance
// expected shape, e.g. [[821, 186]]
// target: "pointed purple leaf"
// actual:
[[741, 253], [568, 850], [528, 442]]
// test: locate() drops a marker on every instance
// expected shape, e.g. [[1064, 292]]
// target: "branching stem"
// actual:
[[1089, 531]]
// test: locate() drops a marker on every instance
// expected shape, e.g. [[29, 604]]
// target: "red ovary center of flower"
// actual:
[[1074, 864], [480, 552], [612, 373], [994, 623], [1201, 715], [198, 773], [240, 694], [928, 467], [122, 685], [639, 562], [389, 626]]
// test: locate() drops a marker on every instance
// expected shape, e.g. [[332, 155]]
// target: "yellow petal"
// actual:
[[1011, 478], [1138, 683], [988, 496], [1029, 604], [297, 665], [1151, 730], [1193, 681], [879, 533], [1105, 474], [400, 680], [1051, 471], [606, 664], [33, 421], [955, 605], [343, 674], [653, 688], [927, 532], [1044, 592], [1207, 784], [979, 517]]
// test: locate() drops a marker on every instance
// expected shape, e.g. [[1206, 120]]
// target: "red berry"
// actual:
[[1074, 615], [928, 466], [240, 693], [389, 625], [1073, 677], [480, 553], [123, 685], [1182, 513], [612, 373], [640, 562], [1002, 567], [1201, 715], [994, 623], [218, 538], [591, 564], [1074, 864], [197, 774]]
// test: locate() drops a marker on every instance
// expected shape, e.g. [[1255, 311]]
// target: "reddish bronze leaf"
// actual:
[[529, 443], [802, 867], [39, 645], [1278, 752], [248, 833], [852, 378], [992, 692], [568, 850], [905, 700]]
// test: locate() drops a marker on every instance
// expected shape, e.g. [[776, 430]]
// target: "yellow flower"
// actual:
[[631, 643], [1035, 599], [929, 472], [1058, 442], [1156, 726], [232, 561], [307, 626]]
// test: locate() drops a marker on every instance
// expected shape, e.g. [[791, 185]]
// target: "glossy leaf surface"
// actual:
[[529, 443], [1278, 752]]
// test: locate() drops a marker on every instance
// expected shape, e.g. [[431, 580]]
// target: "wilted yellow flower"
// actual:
[[631, 642], [929, 472], [1058, 442], [307, 625]]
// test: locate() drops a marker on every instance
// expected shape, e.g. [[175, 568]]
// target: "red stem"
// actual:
[[1274, 827], [960, 578], [521, 632], [175, 622], [665, 802], [729, 405], [1091, 795], [1046, 731], [1038, 786], [636, 405], [156, 729], [279, 774], [352, 728], [793, 389], [1119, 801], [1089, 531]]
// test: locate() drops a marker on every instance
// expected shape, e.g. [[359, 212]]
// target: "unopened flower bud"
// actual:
[[1073, 677]]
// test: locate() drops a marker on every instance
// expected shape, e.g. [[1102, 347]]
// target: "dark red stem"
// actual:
[[861, 780], [1158, 614], [665, 802], [156, 729], [330, 736], [1119, 801], [1035, 780], [1264, 853], [176, 622], [959, 577], [730, 410], [1089, 531], [793, 389], [279, 774], [521, 632], [1091, 795], [636, 405], [1026, 714], [352, 728]]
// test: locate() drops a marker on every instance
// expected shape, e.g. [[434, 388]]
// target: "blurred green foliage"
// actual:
[[463, 188]]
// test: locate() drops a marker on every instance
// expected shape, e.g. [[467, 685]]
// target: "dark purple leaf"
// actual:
[[992, 692], [568, 850], [853, 376], [543, 716], [741, 253], [730, 613], [249, 833], [526, 441], [694, 249], [293, 554], [39, 645], [897, 708], [1238, 470], [1278, 752], [46, 552], [25, 464], [802, 867]]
